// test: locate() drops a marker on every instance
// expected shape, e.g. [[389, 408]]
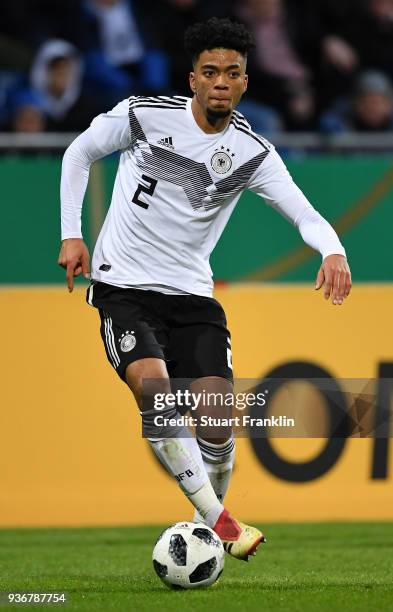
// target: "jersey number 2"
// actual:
[[142, 188]]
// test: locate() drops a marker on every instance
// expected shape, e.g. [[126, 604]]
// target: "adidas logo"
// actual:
[[166, 142]]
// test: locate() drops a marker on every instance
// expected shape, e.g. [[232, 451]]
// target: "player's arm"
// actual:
[[108, 133], [273, 182]]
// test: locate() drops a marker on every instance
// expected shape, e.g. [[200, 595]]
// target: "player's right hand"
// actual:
[[74, 257]]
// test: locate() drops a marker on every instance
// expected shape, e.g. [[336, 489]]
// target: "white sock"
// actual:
[[218, 460], [182, 458]]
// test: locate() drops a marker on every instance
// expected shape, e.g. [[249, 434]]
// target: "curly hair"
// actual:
[[215, 33]]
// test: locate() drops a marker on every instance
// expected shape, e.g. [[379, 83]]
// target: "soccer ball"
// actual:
[[188, 556]]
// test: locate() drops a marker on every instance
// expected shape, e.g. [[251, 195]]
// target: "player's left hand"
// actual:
[[335, 274]]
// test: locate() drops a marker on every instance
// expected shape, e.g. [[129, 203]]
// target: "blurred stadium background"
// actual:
[[321, 90]]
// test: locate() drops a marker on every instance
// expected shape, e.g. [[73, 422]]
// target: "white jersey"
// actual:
[[175, 190]]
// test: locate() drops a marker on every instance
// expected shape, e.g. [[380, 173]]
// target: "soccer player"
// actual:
[[183, 166]]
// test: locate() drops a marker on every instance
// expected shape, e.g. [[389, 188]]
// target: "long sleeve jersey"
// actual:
[[175, 190]]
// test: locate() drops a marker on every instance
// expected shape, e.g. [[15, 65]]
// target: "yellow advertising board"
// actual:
[[71, 450]]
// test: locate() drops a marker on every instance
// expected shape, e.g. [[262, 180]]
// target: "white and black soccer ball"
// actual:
[[188, 555]]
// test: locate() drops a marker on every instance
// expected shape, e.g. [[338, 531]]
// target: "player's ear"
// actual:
[[192, 82], [245, 82]]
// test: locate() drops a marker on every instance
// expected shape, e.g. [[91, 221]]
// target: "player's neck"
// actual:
[[210, 125]]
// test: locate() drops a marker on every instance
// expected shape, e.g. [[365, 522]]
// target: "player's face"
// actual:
[[219, 80]]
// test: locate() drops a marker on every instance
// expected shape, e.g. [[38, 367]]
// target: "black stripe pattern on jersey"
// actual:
[[241, 118], [164, 164], [201, 191], [240, 123], [158, 101]]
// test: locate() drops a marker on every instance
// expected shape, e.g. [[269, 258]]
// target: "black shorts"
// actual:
[[189, 332]]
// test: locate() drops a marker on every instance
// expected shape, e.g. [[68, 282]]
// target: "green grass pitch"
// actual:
[[315, 567]]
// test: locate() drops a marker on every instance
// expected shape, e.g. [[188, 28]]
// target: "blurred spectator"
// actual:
[[117, 42], [370, 32], [339, 54], [355, 35], [56, 76], [370, 109], [91, 53], [277, 65], [27, 112], [115, 31], [300, 109]]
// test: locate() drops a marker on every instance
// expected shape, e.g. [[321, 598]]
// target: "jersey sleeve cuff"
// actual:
[[337, 250], [72, 235]]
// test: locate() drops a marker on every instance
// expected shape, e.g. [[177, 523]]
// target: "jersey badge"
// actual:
[[221, 160], [127, 341]]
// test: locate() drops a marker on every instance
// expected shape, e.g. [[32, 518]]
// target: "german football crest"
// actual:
[[221, 161], [127, 342]]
